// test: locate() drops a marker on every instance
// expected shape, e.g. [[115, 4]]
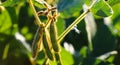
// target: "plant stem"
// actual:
[[75, 22], [35, 13], [72, 25]]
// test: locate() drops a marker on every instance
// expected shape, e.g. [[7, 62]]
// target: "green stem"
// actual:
[[72, 25], [35, 13], [75, 22]]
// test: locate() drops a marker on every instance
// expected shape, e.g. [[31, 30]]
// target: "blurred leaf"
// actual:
[[102, 9], [12, 14], [5, 22], [79, 56], [111, 58], [87, 2], [103, 40], [116, 19], [60, 25], [5, 53], [17, 52], [3, 43], [66, 57], [26, 22], [94, 61], [9, 3], [83, 52], [8, 21], [8, 27], [113, 2], [69, 7], [53, 63]]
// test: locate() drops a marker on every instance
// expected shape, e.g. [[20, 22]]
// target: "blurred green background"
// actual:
[[101, 33]]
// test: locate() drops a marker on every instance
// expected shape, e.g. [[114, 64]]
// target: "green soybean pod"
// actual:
[[53, 36], [36, 45], [46, 45], [58, 58]]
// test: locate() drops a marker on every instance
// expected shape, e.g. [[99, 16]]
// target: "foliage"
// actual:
[[95, 36]]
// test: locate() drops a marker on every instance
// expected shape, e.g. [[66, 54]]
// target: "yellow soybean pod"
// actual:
[[53, 36], [36, 45], [46, 44]]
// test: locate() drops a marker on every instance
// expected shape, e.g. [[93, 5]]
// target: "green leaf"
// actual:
[[113, 2], [66, 57], [60, 25], [5, 51], [26, 22], [102, 9], [111, 58], [8, 21], [16, 51], [83, 51], [87, 2], [68, 8], [5, 22], [104, 40], [9, 3], [95, 61], [116, 19]]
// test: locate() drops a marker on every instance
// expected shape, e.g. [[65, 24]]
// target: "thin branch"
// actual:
[[72, 25], [35, 13]]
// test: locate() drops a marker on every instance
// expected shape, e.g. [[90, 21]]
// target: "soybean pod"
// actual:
[[53, 36], [58, 58], [46, 44], [36, 45]]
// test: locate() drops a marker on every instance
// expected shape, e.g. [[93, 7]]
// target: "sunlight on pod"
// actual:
[[46, 44], [36, 45]]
